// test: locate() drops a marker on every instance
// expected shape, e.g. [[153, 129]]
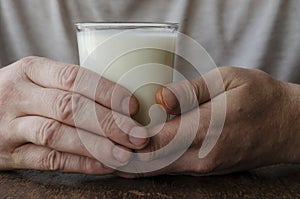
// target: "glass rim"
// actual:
[[124, 25]]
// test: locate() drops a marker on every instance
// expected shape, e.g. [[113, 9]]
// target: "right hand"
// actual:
[[39, 104]]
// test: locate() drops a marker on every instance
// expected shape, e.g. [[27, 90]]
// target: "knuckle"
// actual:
[[27, 61], [66, 106], [25, 65], [87, 165], [53, 161], [107, 124], [67, 76], [232, 71], [48, 133], [104, 89]]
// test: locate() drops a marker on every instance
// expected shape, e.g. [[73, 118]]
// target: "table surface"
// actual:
[[273, 182]]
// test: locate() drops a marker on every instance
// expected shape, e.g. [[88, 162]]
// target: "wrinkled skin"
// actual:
[[261, 123], [40, 99], [41, 102]]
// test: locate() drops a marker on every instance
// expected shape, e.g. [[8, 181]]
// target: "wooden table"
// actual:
[[274, 182]]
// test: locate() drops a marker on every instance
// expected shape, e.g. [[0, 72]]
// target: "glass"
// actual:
[[138, 56]]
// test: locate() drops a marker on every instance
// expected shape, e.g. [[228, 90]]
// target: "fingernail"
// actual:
[[138, 136], [120, 154], [169, 99], [129, 106]]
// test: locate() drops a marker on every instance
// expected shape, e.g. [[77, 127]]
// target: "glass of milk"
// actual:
[[138, 56]]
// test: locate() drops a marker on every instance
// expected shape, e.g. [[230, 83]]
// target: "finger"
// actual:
[[188, 163], [177, 135], [180, 97], [81, 112], [30, 156], [55, 135], [52, 74], [131, 175]]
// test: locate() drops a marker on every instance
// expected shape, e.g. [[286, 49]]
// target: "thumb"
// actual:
[[180, 97]]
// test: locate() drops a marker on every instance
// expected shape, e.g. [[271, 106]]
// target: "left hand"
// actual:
[[258, 128]]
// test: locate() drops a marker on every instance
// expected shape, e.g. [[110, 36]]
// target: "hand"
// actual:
[[259, 126], [40, 102]]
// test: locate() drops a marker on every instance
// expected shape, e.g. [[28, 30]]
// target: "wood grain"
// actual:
[[275, 182]]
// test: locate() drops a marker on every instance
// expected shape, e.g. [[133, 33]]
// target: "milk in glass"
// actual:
[[140, 59]]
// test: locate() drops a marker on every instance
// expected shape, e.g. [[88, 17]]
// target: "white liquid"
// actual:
[[138, 59]]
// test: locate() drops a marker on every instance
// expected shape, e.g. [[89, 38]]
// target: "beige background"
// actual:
[[261, 34]]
